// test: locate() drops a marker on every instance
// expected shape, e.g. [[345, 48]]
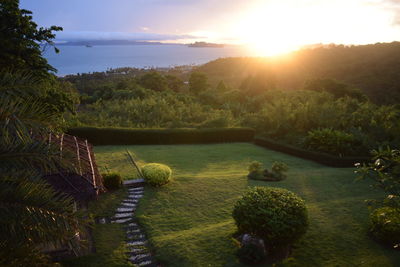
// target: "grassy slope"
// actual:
[[189, 221]]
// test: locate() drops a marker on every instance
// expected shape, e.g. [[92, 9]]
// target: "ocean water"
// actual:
[[82, 59]]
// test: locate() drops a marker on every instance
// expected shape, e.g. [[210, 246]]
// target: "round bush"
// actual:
[[385, 225], [156, 174], [276, 215], [112, 181]]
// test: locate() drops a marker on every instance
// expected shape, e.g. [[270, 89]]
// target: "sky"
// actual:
[[271, 26]]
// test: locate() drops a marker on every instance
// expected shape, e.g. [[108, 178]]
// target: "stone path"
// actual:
[[139, 253]]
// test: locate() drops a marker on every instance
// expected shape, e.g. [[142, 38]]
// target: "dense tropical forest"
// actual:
[[336, 99]]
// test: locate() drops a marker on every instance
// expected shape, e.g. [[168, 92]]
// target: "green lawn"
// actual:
[[189, 221]]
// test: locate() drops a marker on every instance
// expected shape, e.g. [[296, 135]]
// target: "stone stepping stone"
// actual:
[[102, 220], [136, 237], [139, 257], [122, 220], [136, 193], [128, 204], [133, 224], [135, 189], [120, 215], [144, 263], [134, 183], [133, 231], [134, 196], [124, 209], [130, 201], [136, 243], [137, 250]]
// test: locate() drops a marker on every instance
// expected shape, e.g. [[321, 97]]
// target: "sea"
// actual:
[[82, 59]]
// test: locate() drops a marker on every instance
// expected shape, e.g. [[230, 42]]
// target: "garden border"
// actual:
[[131, 136], [322, 158]]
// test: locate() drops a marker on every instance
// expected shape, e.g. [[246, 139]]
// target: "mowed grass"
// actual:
[[189, 220]]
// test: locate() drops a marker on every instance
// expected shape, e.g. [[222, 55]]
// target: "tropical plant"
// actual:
[[385, 172], [385, 225], [330, 141], [31, 213]]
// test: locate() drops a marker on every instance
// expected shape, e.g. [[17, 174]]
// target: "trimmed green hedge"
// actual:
[[322, 158], [129, 136]]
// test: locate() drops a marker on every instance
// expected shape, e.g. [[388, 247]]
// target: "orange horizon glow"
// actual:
[[274, 27]]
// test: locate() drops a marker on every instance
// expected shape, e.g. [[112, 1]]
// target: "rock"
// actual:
[[122, 220], [123, 209], [248, 239], [120, 215]]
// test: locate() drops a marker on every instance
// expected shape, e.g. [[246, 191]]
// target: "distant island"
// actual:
[[90, 43], [204, 44]]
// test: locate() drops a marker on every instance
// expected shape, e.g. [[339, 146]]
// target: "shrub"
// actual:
[[278, 168], [385, 225], [331, 141], [156, 174], [255, 166], [255, 170], [112, 181], [134, 136], [276, 215]]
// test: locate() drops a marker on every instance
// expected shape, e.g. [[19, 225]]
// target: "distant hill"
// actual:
[[375, 69]]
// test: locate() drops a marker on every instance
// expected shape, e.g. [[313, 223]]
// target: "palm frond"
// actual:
[[31, 211], [24, 152]]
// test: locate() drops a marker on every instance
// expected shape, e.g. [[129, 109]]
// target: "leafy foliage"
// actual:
[[156, 174], [276, 215], [112, 181], [385, 225], [197, 82], [385, 172], [279, 168], [255, 166], [31, 213], [330, 141], [20, 40]]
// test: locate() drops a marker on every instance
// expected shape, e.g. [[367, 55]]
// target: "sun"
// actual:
[[269, 31], [275, 27]]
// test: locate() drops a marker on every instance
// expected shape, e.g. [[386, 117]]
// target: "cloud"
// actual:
[[135, 36], [394, 7]]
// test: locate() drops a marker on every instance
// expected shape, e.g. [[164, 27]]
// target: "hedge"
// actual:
[[322, 158], [129, 136]]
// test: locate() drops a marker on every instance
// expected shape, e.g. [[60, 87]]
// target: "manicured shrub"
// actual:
[[255, 166], [112, 181], [156, 174], [131, 136], [385, 225], [276, 215], [278, 169], [256, 171], [322, 158]]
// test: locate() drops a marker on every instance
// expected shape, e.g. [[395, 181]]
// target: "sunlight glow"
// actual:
[[277, 27]]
